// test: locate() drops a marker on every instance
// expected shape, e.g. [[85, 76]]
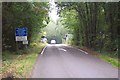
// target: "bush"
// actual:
[[33, 44]]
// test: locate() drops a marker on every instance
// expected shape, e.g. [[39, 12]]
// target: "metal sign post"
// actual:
[[21, 38], [21, 35], [25, 43]]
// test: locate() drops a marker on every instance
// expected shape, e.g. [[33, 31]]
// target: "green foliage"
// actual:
[[71, 22], [55, 31], [93, 25], [20, 65], [16, 15], [110, 60], [33, 44]]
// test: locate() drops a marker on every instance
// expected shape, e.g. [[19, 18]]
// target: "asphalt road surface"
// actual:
[[60, 61]]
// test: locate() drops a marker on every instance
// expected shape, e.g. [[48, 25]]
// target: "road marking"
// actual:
[[62, 49], [82, 51], [79, 50], [43, 50]]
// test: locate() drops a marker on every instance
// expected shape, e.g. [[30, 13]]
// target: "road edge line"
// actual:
[[83, 51], [79, 49], [43, 50], [31, 73]]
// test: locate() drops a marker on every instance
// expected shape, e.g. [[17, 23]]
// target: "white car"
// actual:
[[53, 42]]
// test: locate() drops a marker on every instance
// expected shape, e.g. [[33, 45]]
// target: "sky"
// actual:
[[53, 11]]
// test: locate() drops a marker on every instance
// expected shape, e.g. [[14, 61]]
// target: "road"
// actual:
[[60, 61]]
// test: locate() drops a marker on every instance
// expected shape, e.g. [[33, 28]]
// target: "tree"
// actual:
[[16, 15], [96, 25]]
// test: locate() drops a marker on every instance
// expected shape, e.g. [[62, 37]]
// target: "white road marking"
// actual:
[[43, 50], [62, 49], [82, 51], [79, 50]]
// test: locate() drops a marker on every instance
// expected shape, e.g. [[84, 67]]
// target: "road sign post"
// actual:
[[21, 38], [21, 35], [25, 42]]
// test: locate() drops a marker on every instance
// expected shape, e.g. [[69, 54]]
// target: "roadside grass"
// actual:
[[110, 59], [107, 57], [20, 65]]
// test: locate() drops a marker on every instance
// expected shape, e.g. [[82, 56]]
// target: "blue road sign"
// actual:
[[21, 32]]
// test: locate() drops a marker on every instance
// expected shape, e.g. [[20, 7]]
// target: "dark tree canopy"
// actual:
[[93, 24], [17, 15]]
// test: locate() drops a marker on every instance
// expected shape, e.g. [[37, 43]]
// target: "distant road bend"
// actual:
[[60, 61]]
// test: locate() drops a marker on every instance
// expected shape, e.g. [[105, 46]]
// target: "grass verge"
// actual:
[[110, 58], [20, 65]]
